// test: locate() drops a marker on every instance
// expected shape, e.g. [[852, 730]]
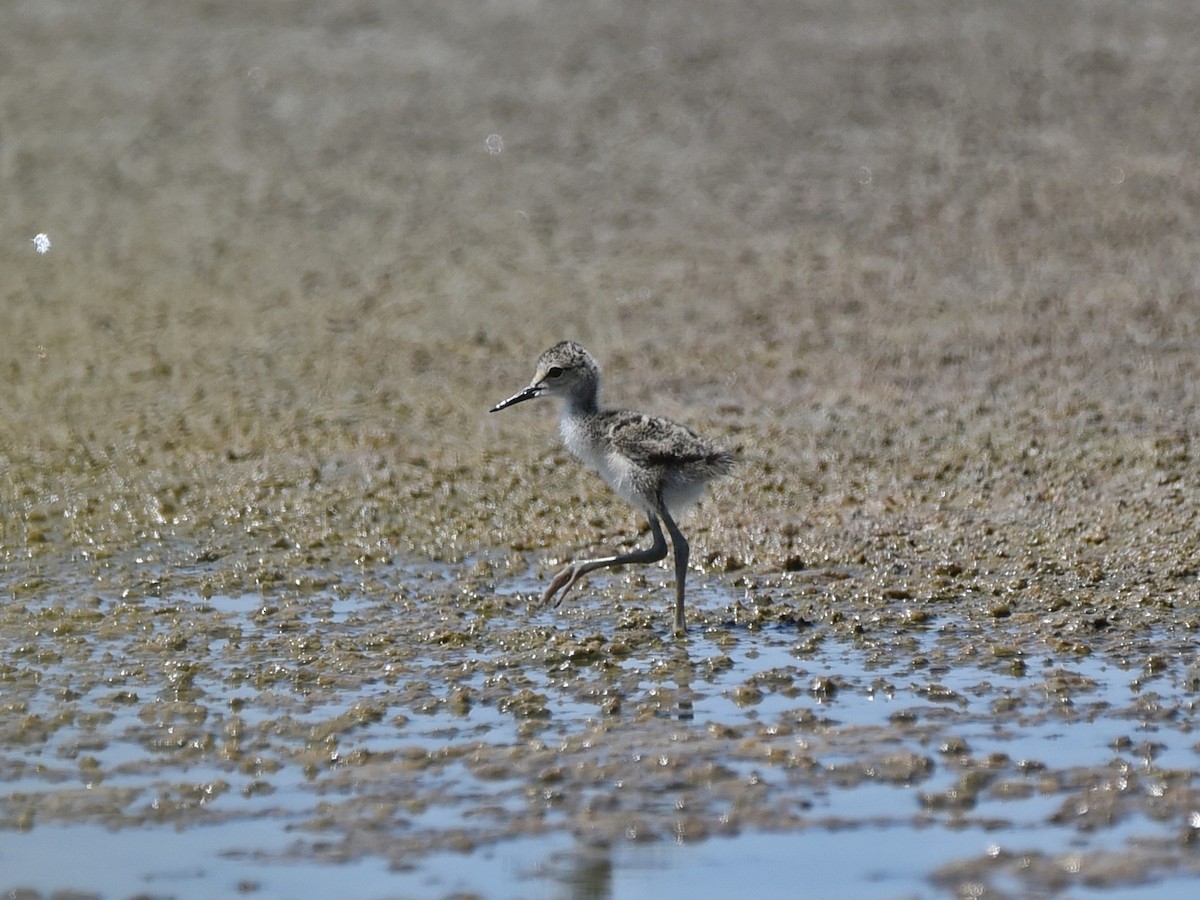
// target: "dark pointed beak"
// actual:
[[534, 390]]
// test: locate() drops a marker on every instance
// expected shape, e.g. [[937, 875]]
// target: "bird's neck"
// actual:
[[584, 403]]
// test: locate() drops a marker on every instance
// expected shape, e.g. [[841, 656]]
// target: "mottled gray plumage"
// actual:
[[658, 465]]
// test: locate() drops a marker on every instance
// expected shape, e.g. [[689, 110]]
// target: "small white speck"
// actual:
[[41, 243], [256, 77], [494, 144]]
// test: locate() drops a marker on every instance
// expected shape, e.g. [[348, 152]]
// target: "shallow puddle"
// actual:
[[426, 739]]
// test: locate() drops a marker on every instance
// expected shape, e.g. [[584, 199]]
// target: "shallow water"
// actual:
[[273, 745]]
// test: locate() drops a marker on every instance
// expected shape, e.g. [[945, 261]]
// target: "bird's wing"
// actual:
[[651, 441]]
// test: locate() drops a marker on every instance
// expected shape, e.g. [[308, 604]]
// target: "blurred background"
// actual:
[[884, 250]]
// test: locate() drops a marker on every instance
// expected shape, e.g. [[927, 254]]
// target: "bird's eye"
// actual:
[[553, 372]]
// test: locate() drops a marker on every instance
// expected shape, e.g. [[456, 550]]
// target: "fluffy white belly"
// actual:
[[616, 470]]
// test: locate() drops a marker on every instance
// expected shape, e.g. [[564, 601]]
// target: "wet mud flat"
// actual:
[[395, 722], [269, 569]]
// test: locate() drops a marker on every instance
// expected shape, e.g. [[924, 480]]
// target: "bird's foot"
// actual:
[[680, 627], [562, 581]]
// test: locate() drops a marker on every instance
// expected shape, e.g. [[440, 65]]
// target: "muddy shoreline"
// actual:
[[929, 271]]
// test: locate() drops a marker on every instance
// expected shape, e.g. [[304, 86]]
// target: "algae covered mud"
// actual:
[[270, 571]]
